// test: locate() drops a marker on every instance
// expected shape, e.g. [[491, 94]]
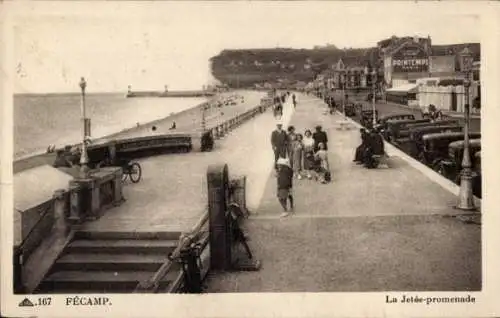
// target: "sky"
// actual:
[[149, 45]]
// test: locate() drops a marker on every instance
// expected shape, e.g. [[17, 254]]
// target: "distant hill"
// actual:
[[245, 67]]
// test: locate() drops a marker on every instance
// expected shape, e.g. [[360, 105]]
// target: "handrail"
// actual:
[[185, 240]]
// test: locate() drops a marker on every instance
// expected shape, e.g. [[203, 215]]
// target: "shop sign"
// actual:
[[410, 59]]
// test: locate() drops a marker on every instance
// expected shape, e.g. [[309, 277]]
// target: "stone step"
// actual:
[[111, 262], [127, 235], [93, 281], [64, 282], [121, 246]]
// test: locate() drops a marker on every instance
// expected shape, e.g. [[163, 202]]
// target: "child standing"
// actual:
[[285, 182], [308, 152], [324, 167]]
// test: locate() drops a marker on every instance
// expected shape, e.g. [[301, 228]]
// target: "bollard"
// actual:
[[60, 207], [218, 187], [224, 230]]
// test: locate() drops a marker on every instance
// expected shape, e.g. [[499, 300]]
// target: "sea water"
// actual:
[[56, 119]]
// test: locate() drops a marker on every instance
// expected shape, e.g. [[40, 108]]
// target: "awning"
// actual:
[[403, 89]]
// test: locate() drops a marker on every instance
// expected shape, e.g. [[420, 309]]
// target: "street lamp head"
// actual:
[[83, 83]]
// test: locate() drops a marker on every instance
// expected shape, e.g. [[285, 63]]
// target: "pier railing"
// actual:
[[222, 129]]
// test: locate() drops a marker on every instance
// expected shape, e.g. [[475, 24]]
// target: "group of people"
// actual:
[[298, 156], [372, 144], [278, 104]]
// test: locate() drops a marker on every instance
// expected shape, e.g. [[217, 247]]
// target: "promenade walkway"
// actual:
[[172, 193], [368, 230]]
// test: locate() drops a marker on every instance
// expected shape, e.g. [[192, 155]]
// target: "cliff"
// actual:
[[243, 68], [247, 67]]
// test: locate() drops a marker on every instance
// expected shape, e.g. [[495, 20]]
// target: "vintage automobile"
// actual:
[[395, 125], [414, 144], [369, 97], [350, 109], [382, 121], [403, 116], [404, 132], [366, 117], [452, 165], [435, 146]]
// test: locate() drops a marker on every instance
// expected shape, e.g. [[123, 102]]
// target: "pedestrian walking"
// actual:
[[279, 142], [285, 184], [291, 139], [308, 152], [294, 100], [297, 156], [320, 136]]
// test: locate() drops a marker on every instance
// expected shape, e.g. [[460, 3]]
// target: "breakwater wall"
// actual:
[[170, 94], [190, 116]]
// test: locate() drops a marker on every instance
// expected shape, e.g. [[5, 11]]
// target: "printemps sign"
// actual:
[[410, 58]]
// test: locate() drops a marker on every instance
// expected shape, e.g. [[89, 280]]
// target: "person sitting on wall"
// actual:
[[358, 157], [61, 160], [375, 146]]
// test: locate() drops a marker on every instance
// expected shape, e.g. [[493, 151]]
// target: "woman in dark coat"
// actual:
[[358, 157]]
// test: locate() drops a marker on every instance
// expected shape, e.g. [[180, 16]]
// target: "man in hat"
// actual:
[[320, 136], [279, 142], [285, 182]]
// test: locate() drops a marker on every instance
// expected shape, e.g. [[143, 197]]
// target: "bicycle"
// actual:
[[133, 171]]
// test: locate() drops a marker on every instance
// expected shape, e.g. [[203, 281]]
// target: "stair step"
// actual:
[[100, 281], [105, 262], [112, 235], [121, 246], [98, 276], [94, 281]]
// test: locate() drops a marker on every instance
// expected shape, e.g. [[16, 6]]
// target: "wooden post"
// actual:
[[220, 238]]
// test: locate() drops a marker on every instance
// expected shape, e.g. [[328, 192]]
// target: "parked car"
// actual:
[[435, 146], [350, 109], [369, 97], [415, 140], [382, 121], [452, 165], [395, 125], [367, 118]]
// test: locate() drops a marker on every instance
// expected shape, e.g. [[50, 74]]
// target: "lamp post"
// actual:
[[203, 117], [342, 82], [465, 197], [84, 159], [374, 80]]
